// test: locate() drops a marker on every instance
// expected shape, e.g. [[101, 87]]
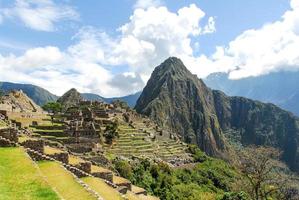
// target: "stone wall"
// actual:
[[37, 145], [6, 143], [104, 175], [125, 184], [62, 157], [84, 166], [10, 134], [100, 159]]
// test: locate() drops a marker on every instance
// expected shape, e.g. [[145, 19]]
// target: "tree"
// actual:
[[120, 103], [263, 172], [111, 132], [52, 107], [123, 168]]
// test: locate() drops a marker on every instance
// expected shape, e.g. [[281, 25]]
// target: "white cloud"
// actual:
[[155, 34], [270, 48], [147, 3], [41, 15], [151, 35]]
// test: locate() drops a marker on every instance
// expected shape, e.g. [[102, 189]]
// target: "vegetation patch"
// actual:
[[20, 179]]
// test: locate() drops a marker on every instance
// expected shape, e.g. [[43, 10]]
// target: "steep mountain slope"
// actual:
[[279, 88], [92, 97], [70, 98], [176, 98], [18, 101], [39, 95]]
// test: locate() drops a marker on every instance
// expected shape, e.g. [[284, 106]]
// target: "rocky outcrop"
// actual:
[[70, 98], [18, 101], [178, 99], [175, 98]]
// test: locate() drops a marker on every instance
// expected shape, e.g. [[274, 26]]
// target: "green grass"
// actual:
[[107, 192], [63, 182], [2, 124], [20, 179]]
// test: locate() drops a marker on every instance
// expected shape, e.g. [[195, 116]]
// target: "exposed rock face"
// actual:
[[176, 98], [39, 95], [70, 98], [18, 101]]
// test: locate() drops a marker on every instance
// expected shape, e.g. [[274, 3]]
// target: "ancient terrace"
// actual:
[[80, 143]]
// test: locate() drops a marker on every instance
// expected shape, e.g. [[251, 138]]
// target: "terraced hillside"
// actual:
[[61, 172], [141, 142]]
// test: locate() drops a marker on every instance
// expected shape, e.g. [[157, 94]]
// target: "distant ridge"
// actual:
[[280, 88], [39, 95]]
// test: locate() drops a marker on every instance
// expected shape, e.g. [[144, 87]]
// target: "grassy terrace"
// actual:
[[95, 168], [20, 179], [24, 138], [2, 124], [63, 182], [119, 180], [73, 160], [132, 142], [131, 196], [51, 150], [98, 185]]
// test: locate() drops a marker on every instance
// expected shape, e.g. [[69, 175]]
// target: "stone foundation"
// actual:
[[6, 143], [104, 175], [10, 134], [37, 145], [62, 157], [84, 166]]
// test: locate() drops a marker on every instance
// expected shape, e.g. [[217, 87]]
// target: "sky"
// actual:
[[111, 47]]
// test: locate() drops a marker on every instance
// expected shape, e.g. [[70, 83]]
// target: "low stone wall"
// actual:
[[54, 127], [52, 133], [6, 143], [79, 173], [100, 159], [84, 166], [126, 184], [80, 148], [37, 145], [37, 156], [10, 134], [104, 175], [62, 157]]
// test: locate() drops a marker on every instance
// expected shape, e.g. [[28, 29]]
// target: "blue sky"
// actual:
[[111, 47]]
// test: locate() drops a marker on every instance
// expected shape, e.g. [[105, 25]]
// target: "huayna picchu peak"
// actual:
[[177, 99]]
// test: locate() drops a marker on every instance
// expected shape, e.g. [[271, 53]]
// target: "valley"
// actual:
[[182, 141]]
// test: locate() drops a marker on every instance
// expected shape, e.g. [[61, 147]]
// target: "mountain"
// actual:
[[39, 95], [130, 99], [70, 98], [176, 98], [280, 88], [92, 97], [18, 101]]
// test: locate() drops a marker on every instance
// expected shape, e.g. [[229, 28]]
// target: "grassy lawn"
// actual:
[[107, 192], [63, 182], [20, 179]]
